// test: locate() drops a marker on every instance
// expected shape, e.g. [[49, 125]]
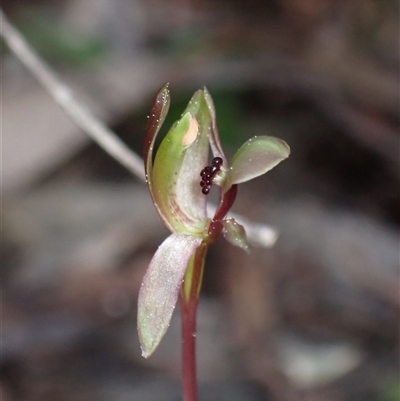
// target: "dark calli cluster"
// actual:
[[208, 173]]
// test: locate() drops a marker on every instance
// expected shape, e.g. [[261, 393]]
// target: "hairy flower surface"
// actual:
[[179, 179]]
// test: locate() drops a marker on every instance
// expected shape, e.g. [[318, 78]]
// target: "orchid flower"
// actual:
[[179, 179]]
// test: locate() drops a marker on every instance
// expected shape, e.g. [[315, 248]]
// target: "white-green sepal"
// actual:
[[255, 157], [160, 289]]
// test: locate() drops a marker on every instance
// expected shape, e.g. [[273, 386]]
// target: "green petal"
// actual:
[[188, 190], [160, 289], [176, 172], [235, 233], [255, 157]]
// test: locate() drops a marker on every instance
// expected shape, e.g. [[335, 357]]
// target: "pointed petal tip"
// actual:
[[246, 249], [285, 147], [164, 89], [148, 343], [146, 354]]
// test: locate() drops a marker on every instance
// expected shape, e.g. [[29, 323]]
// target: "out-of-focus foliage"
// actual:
[[391, 392], [58, 44]]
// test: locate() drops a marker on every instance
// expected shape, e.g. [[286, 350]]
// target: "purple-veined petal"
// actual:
[[160, 289], [255, 157]]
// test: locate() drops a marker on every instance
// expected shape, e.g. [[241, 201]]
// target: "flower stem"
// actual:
[[189, 379], [226, 202], [189, 299]]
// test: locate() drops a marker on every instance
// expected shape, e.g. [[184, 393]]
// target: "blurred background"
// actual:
[[314, 318]]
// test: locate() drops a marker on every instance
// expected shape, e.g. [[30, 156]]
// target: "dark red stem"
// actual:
[[189, 303], [226, 202], [188, 312]]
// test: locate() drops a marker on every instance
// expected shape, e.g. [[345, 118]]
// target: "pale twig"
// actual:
[[258, 234], [63, 95]]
